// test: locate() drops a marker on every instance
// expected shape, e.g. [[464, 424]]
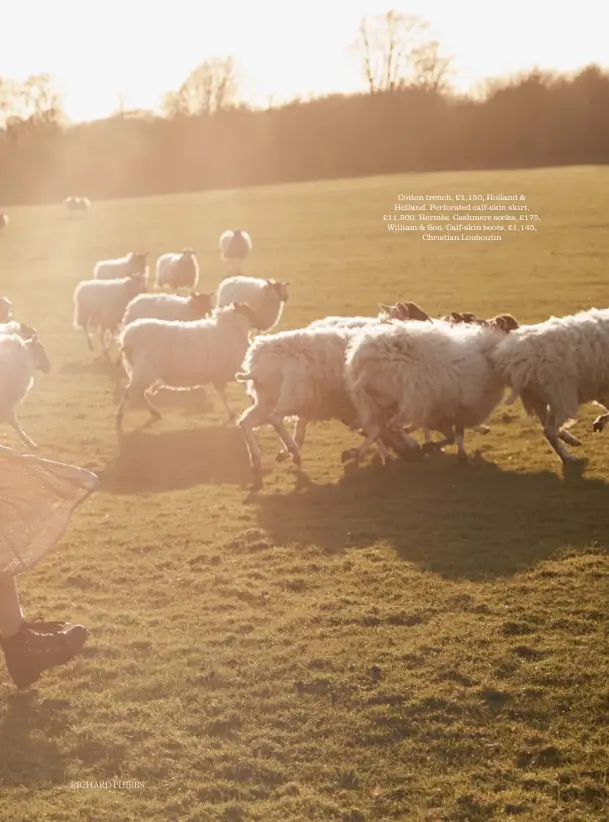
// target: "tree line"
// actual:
[[408, 119]]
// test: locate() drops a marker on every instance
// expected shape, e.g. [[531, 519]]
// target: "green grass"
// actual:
[[421, 642]]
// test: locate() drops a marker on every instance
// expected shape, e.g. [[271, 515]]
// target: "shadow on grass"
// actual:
[[478, 522], [152, 462], [29, 753]]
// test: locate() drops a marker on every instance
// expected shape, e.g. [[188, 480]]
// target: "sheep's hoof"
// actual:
[[348, 455], [599, 423], [482, 429], [567, 437]]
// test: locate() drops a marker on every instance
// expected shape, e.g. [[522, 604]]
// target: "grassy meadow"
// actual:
[[416, 642]]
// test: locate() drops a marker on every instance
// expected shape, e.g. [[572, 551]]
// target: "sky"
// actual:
[[143, 48]]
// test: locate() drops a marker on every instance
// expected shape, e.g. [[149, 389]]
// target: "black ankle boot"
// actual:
[[39, 646]]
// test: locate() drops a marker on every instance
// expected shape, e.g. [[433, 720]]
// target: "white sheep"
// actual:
[[265, 297], [179, 270], [438, 376], [130, 265], [6, 310], [19, 359], [169, 307], [235, 248], [184, 355], [299, 374], [3, 221], [26, 332], [77, 204], [555, 366], [102, 304]]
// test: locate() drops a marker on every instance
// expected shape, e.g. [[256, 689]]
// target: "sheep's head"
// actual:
[[504, 322], [6, 309], [137, 262], [200, 305], [26, 332], [405, 311], [38, 354], [246, 311], [136, 285], [280, 288]]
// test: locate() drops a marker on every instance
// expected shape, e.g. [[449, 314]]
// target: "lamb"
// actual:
[[19, 359], [235, 248], [183, 355], [178, 270], [265, 297], [3, 221], [404, 376], [169, 307], [555, 366], [6, 309], [295, 374], [130, 265], [101, 304]]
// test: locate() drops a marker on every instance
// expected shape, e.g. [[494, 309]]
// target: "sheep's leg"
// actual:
[[300, 430], [132, 390], [279, 426], [569, 438], [85, 329], [449, 439], [375, 434], [16, 425], [250, 419], [551, 433], [221, 391], [151, 406], [460, 437]]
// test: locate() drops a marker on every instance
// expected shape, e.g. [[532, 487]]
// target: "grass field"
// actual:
[[420, 642]]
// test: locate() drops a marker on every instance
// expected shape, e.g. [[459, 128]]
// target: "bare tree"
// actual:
[[211, 87], [431, 69], [395, 53]]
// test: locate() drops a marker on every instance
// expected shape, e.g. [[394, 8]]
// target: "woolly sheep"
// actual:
[[3, 221], [265, 297], [19, 359], [235, 248], [130, 265], [26, 332], [101, 304], [179, 270], [169, 307], [399, 311], [299, 374], [76, 204], [555, 366], [422, 375], [183, 355], [6, 309]]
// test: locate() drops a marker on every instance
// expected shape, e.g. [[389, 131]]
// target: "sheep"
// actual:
[[183, 355], [404, 376], [235, 248], [3, 221], [19, 359], [299, 374], [101, 304], [178, 270], [168, 307], [77, 204], [399, 311], [266, 298], [130, 265], [554, 367], [6, 309]]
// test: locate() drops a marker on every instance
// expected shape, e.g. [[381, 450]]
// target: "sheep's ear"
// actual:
[[386, 308], [271, 282]]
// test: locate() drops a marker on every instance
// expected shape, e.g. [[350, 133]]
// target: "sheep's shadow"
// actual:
[[156, 461], [477, 522], [28, 752]]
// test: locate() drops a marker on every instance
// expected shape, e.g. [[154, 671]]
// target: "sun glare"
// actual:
[[137, 51]]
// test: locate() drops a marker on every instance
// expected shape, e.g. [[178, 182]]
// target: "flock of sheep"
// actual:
[[383, 376]]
